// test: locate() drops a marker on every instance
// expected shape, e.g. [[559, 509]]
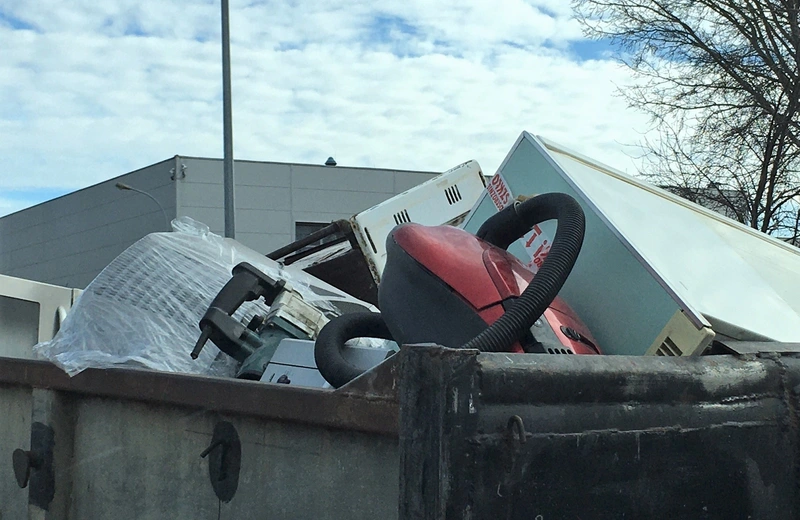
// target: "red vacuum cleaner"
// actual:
[[446, 286]]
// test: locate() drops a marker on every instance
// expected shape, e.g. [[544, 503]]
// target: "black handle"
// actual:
[[217, 324]]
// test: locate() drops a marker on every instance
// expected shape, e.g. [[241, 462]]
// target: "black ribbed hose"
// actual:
[[508, 226], [328, 348]]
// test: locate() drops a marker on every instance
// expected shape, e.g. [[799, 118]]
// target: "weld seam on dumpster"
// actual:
[[591, 379], [792, 401], [484, 438], [623, 417]]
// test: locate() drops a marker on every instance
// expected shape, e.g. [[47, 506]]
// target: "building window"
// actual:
[[303, 229]]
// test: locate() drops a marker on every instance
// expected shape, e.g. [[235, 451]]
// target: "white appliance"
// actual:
[[30, 312], [444, 199]]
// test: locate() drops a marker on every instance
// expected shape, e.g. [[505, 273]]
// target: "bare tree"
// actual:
[[720, 82]]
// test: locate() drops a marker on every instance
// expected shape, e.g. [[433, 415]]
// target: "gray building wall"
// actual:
[[272, 197], [67, 241]]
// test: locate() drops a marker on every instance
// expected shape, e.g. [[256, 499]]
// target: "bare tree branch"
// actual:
[[720, 82]]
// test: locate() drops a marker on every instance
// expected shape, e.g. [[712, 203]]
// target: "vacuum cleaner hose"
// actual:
[[501, 230], [328, 348], [508, 226]]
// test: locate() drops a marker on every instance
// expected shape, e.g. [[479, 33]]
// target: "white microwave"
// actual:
[[30, 312]]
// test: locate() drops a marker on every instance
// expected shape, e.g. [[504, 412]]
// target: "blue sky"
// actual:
[[91, 90], [11, 21]]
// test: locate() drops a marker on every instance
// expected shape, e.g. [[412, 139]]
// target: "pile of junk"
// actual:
[[548, 256]]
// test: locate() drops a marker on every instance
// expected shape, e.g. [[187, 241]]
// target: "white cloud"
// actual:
[[99, 89]]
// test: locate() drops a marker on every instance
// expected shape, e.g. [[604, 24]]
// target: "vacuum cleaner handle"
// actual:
[[511, 224], [504, 227], [514, 221]]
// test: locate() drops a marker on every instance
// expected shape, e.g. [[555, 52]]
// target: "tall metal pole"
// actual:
[[230, 225]]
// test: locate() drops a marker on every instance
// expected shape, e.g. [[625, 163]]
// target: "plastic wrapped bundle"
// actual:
[[143, 309]]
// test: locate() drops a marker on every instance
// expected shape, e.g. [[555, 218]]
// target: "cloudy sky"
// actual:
[[90, 90]]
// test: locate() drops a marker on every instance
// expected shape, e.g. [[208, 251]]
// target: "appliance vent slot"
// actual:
[[371, 243], [453, 194], [669, 348], [401, 217]]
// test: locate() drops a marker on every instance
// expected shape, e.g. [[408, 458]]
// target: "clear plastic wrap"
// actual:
[[143, 309]]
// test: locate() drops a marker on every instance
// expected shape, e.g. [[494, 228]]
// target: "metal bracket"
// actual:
[[224, 460], [23, 462], [177, 173], [35, 466]]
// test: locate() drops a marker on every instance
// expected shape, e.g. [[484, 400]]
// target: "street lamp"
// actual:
[[125, 187]]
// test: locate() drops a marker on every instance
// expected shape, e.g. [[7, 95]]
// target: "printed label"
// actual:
[[537, 244], [499, 192]]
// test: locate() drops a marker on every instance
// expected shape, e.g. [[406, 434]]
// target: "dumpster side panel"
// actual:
[[547, 437], [143, 461], [15, 432], [722, 472]]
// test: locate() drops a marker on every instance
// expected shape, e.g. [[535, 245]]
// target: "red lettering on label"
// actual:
[[541, 254], [498, 191], [536, 232]]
